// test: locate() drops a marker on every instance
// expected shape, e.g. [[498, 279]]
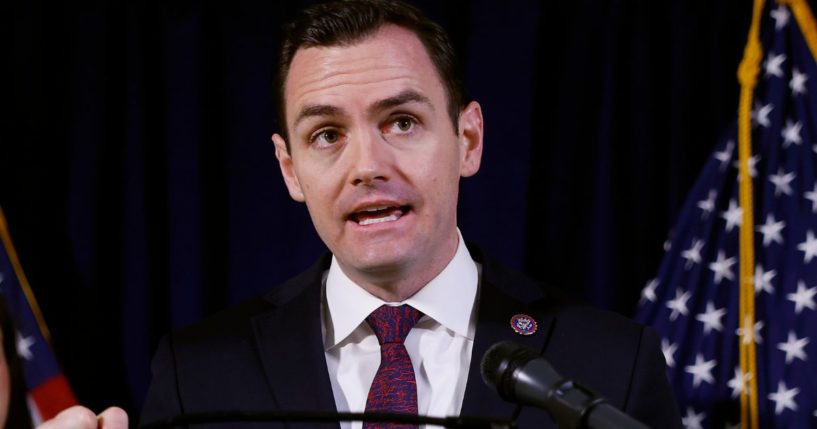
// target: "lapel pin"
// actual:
[[523, 324]]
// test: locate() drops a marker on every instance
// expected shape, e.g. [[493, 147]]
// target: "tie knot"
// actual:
[[392, 324]]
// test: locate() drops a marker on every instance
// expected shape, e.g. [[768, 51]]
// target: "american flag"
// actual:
[[693, 302], [49, 392]]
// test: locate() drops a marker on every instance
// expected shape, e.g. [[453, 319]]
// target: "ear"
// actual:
[[287, 170], [470, 139]]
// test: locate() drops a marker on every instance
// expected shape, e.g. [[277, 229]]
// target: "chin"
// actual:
[[378, 264], [378, 261]]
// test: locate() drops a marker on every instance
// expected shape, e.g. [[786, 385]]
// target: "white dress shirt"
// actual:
[[439, 345]]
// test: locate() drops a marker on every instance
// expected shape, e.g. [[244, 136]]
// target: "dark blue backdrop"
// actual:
[[142, 190]]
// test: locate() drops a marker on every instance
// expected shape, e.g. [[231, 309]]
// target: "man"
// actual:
[[376, 135]]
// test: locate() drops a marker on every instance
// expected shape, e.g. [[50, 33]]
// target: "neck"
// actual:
[[395, 290]]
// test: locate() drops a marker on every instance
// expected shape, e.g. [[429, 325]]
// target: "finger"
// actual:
[[113, 418], [76, 417]]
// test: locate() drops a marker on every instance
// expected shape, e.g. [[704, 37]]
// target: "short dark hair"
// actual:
[[346, 22]]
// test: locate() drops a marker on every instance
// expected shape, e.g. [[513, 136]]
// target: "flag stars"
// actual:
[[24, 346], [722, 267], [808, 247], [738, 382], [668, 349], [711, 318], [751, 163], [678, 305], [708, 205], [784, 398], [771, 230], [760, 114], [693, 420], [782, 182], [701, 371], [749, 333], [753, 160], [803, 298], [812, 196], [773, 64], [693, 254], [791, 133], [733, 215], [793, 347], [781, 17], [763, 280], [725, 155], [798, 82], [648, 293]]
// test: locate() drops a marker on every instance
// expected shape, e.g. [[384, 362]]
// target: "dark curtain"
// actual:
[[143, 194]]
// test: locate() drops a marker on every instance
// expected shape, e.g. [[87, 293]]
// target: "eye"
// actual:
[[404, 124], [330, 136], [401, 125], [325, 137]]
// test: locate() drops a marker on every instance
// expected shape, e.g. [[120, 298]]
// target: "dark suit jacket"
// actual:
[[267, 354]]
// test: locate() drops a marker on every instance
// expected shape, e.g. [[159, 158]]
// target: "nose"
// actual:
[[370, 159]]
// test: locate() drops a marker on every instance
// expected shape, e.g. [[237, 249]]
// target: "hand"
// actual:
[[78, 417]]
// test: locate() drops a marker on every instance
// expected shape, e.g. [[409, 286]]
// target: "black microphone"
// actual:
[[521, 375]]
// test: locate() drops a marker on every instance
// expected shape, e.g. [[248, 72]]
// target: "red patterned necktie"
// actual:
[[394, 389]]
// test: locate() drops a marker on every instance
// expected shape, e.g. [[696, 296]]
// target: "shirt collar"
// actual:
[[448, 298]]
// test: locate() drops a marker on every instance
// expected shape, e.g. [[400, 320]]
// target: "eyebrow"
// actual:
[[407, 96], [316, 110]]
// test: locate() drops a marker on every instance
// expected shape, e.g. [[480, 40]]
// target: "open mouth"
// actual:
[[379, 214]]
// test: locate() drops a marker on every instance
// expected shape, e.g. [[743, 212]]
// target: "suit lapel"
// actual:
[[290, 345], [496, 308]]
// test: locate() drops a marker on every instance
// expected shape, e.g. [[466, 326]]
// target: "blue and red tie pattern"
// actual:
[[394, 389]]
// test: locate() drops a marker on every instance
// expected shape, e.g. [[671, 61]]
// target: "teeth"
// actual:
[[374, 209], [389, 218]]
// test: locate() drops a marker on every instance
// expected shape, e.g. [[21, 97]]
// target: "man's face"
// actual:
[[374, 154]]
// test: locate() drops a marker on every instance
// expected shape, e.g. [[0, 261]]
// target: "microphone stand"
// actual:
[[326, 417]]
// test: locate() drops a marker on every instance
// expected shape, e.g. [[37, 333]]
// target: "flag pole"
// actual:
[[5, 237], [747, 75]]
